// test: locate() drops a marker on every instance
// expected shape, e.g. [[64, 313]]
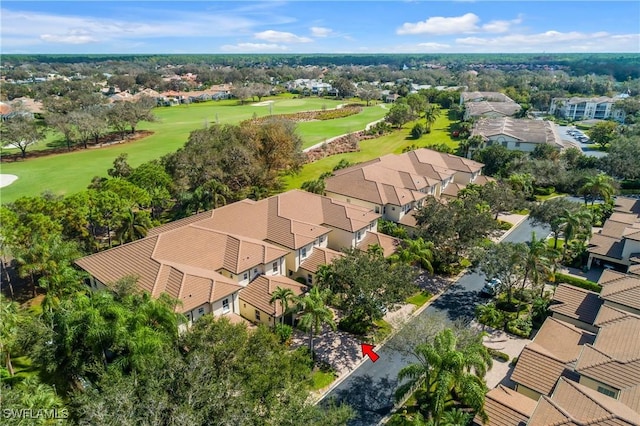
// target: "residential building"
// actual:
[[552, 354], [517, 134], [213, 261], [487, 104], [618, 242], [506, 407], [393, 185], [575, 305], [576, 108]]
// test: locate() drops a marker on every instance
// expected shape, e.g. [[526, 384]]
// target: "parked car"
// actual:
[[491, 287]]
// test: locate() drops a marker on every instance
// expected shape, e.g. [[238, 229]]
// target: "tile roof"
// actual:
[[319, 256], [524, 130], [388, 243], [506, 407], [608, 314], [476, 109], [627, 205], [575, 404], [614, 357], [606, 246], [576, 302], [625, 290], [490, 96], [538, 369], [259, 292], [398, 179], [562, 339]]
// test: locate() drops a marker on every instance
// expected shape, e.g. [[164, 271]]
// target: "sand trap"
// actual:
[[265, 103], [6, 180]]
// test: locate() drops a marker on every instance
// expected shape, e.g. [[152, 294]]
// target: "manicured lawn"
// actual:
[[71, 172], [382, 329], [321, 379], [369, 149], [419, 299]]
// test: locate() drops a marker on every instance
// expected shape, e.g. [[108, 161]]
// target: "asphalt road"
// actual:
[[369, 389]]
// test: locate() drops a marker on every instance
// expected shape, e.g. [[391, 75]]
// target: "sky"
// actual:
[[462, 26]]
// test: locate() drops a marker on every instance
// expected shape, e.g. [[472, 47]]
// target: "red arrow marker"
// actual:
[[368, 350]]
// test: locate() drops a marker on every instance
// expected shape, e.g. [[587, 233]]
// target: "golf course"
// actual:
[[71, 172]]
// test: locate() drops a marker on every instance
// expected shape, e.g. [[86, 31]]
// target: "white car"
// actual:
[[491, 287]]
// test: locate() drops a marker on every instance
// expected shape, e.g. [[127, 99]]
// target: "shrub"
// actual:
[[578, 282], [500, 356], [353, 325], [513, 362], [284, 332], [417, 131], [544, 191], [505, 226], [520, 327]]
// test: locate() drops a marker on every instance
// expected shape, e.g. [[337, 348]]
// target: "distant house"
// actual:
[[487, 104], [517, 134], [576, 108], [466, 97]]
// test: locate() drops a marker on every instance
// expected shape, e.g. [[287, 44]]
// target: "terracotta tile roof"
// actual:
[[608, 314], [538, 369], [506, 407], [608, 275], [476, 109], [523, 130], [606, 246], [453, 189], [575, 404], [614, 358], [634, 269], [308, 207], [622, 217], [576, 302], [388, 243], [627, 205], [319, 256], [562, 339], [409, 219], [625, 290], [259, 292], [398, 179], [235, 318], [179, 223], [491, 96]]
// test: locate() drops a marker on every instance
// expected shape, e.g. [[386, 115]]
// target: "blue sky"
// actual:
[[319, 26]]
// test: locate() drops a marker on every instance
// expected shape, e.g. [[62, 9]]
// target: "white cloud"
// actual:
[[321, 31], [552, 41], [434, 46], [500, 26], [22, 27], [439, 25], [253, 47], [281, 37]]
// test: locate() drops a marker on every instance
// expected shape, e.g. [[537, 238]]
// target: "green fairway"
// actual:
[[71, 172], [369, 149]]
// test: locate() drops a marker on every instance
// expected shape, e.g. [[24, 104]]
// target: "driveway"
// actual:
[[586, 150]]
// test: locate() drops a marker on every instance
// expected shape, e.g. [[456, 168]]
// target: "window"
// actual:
[[303, 252], [310, 278], [257, 315], [321, 239], [517, 144], [225, 306], [275, 266], [246, 276], [359, 235], [200, 311], [606, 391], [377, 209], [505, 144], [290, 272], [255, 271]]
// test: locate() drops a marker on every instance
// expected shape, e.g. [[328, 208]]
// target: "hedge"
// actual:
[[500, 356], [578, 282]]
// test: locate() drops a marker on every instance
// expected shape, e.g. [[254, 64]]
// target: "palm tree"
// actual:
[[599, 185], [575, 223], [455, 417], [218, 193], [536, 262], [284, 295], [488, 314], [417, 252], [522, 182], [445, 373], [134, 225], [8, 330], [431, 114], [315, 313], [257, 192]]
